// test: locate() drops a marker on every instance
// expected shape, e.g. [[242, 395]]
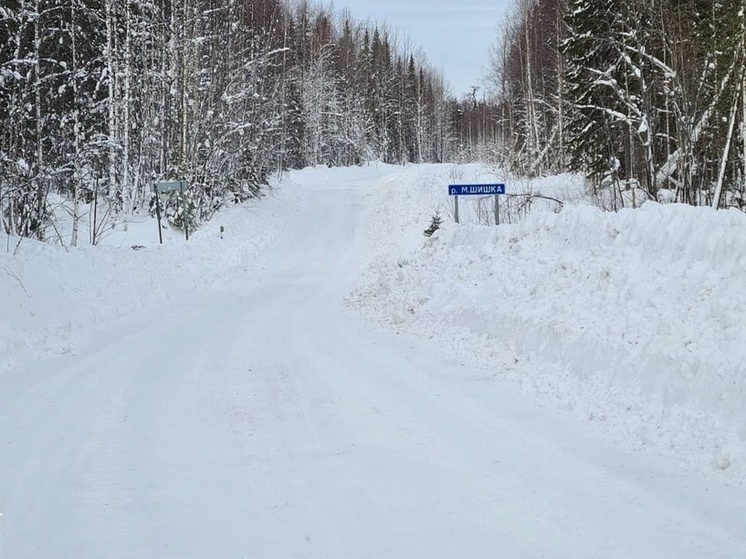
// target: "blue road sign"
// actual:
[[475, 189]]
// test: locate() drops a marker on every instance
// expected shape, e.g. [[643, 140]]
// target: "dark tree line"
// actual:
[[100, 98], [634, 93]]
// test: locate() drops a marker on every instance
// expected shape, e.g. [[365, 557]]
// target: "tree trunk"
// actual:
[[76, 129], [671, 164], [726, 152], [40, 170], [111, 79], [127, 187]]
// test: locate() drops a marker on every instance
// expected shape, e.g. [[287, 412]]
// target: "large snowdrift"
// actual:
[[634, 320]]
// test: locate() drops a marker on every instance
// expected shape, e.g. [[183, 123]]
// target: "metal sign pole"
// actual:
[[456, 209], [171, 186], [186, 215], [497, 210], [158, 213]]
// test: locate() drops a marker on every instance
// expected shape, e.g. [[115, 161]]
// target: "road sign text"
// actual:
[[475, 189]]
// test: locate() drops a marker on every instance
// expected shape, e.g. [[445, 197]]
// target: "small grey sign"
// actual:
[[170, 186]]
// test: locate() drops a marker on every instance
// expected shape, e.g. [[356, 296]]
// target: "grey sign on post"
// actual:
[[169, 186]]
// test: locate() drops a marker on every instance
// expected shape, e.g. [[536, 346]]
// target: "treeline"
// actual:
[[634, 93], [100, 98]]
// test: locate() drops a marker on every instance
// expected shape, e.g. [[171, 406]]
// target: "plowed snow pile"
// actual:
[[634, 320]]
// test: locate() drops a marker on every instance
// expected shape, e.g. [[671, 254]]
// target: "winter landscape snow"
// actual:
[[311, 376], [633, 320]]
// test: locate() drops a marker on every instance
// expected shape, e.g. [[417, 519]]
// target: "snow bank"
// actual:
[[633, 320], [52, 298]]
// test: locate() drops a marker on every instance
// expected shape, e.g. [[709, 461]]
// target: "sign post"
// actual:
[[169, 186], [478, 190], [158, 213]]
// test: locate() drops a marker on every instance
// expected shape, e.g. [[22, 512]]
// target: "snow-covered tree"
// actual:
[[99, 99]]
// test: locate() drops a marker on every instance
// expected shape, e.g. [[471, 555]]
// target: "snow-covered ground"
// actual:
[[533, 392], [634, 320], [52, 299]]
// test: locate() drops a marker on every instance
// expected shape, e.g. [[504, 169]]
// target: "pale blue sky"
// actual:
[[455, 35]]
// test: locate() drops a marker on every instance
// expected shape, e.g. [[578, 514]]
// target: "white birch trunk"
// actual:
[[76, 131], [183, 104], [743, 131], [110, 68], [128, 193], [535, 164], [164, 104], [743, 99], [671, 164], [283, 94], [40, 172], [533, 127], [726, 152], [172, 59], [560, 95]]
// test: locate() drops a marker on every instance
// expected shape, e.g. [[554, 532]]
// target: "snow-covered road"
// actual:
[[263, 418]]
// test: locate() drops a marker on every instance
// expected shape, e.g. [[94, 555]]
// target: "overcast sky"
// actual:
[[456, 35]]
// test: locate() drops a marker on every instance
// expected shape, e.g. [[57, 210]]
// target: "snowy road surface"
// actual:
[[263, 419]]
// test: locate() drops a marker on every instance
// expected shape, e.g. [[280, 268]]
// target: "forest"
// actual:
[[639, 95], [99, 99]]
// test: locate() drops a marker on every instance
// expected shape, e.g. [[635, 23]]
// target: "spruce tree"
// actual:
[[593, 133]]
